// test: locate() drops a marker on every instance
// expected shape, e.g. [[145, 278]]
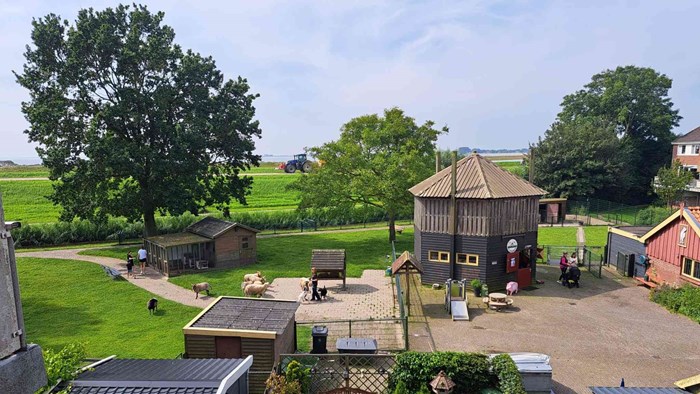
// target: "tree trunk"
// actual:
[[149, 220], [392, 227]]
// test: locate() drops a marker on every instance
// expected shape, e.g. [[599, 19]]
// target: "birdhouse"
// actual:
[[442, 384]]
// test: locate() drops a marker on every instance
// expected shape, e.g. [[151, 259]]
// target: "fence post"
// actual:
[[350, 328]]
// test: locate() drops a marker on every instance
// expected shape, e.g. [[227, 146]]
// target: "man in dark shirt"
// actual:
[[314, 285]]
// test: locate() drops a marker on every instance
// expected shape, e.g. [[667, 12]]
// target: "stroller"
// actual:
[[571, 277]]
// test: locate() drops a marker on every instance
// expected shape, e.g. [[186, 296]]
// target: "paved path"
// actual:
[[152, 281]]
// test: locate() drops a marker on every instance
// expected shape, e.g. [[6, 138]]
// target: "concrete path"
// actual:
[[151, 281]]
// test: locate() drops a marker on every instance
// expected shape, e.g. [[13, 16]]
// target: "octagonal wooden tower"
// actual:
[[476, 220]]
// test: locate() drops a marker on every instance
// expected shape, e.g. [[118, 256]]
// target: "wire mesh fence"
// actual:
[[586, 210], [351, 373], [389, 333], [588, 257]]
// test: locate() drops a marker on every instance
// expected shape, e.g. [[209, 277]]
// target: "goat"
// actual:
[[200, 287], [255, 290], [152, 306]]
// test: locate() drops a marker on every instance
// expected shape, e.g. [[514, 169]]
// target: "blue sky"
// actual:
[[493, 71]]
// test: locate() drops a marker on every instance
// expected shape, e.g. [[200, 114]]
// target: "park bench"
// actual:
[[112, 272], [329, 263]]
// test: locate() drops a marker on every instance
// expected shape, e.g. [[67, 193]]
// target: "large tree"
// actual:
[[373, 163], [635, 101], [579, 158], [128, 123], [671, 182]]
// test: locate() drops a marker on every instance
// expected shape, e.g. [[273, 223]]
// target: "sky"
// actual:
[[494, 72]]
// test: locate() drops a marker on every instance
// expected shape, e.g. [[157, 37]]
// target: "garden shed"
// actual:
[[329, 263], [626, 250], [476, 220], [208, 243], [234, 327], [552, 210]]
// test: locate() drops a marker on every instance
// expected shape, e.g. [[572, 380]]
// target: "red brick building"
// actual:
[[686, 149], [673, 248]]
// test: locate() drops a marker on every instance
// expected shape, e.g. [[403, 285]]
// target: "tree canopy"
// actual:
[[671, 181], [635, 102], [373, 163], [129, 123]]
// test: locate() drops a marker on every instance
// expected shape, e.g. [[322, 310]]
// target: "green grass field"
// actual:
[[557, 236], [596, 235], [109, 316], [37, 171], [290, 257], [26, 200]]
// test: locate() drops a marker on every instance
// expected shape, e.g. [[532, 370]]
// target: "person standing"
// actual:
[[142, 259], [129, 265], [563, 266], [573, 260], [314, 285]]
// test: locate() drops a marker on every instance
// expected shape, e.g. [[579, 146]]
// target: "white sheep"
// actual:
[[257, 282], [304, 283], [252, 277], [255, 290], [200, 287]]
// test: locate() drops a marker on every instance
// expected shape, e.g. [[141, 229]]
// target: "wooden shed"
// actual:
[[329, 263], [626, 250], [234, 327], [209, 243], [476, 220]]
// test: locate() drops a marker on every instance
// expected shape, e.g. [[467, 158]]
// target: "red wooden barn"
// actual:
[[673, 248]]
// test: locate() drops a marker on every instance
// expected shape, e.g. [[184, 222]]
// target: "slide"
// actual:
[[459, 310]]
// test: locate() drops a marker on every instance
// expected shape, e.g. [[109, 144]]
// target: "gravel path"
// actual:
[[151, 281]]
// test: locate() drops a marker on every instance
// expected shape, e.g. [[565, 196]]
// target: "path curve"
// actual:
[[152, 281]]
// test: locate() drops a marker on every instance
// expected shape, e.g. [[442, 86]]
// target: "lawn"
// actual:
[[290, 257], [36, 171], [596, 235], [109, 316], [25, 200], [557, 236]]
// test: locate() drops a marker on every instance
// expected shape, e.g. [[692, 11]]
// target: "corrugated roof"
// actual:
[[200, 370], [142, 390], [406, 260], [477, 178], [691, 136], [248, 314], [212, 227], [636, 390], [178, 239]]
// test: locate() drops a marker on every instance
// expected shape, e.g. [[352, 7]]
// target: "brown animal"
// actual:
[[255, 290], [398, 229], [200, 287]]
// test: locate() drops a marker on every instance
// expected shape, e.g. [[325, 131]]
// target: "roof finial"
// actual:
[[474, 152]]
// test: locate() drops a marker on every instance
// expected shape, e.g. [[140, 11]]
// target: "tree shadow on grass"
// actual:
[[71, 321]]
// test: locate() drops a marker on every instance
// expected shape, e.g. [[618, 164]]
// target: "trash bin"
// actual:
[[319, 335]]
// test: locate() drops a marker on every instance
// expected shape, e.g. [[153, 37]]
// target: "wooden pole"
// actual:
[[408, 294], [437, 161], [531, 166], [453, 215]]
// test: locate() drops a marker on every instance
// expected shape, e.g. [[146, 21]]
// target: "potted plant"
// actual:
[[476, 286]]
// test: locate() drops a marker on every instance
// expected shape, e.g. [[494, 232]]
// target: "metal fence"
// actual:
[[584, 210], [589, 257], [388, 332], [329, 372], [594, 260]]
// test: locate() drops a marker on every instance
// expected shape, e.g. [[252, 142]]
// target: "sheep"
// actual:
[[255, 290], [304, 283], [252, 277], [398, 229], [200, 287], [257, 282]]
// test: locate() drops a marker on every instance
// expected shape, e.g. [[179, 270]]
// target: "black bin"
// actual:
[[319, 334]]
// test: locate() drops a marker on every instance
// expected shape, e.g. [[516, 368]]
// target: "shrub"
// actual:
[[470, 371], [509, 379], [62, 364], [652, 215], [278, 384], [684, 300], [476, 284], [298, 373]]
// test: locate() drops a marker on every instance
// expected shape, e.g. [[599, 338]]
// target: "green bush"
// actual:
[[509, 379], [476, 284], [62, 364], [298, 373], [684, 300], [470, 371], [651, 216]]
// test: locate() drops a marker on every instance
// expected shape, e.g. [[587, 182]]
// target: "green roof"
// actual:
[[178, 239]]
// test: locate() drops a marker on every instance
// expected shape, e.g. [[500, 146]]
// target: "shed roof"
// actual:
[[636, 390], [689, 137], [328, 259], [167, 240], [243, 317], [406, 261], [477, 178], [129, 376], [212, 227]]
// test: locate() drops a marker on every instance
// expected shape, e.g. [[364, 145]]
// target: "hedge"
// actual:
[[684, 300], [471, 372], [509, 379]]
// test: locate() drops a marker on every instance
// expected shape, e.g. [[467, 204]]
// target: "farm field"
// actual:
[[25, 200], [37, 171], [109, 316], [290, 257], [556, 236]]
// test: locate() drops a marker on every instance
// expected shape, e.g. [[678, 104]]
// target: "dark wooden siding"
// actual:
[[471, 245], [620, 244], [200, 346], [263, 352], [496, 276], [228, 248], [240, 387], [284, 344], [433, 272]]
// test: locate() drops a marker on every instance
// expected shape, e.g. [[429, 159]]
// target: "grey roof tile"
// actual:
[[248, 314]]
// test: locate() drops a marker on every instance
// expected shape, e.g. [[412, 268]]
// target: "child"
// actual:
[[129, 265]]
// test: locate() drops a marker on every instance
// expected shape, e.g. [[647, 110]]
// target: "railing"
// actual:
[[388, 332]]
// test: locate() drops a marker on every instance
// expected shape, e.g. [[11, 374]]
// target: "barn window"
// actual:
[[442, 257], [467, 259], [691, 268], [244, 243]]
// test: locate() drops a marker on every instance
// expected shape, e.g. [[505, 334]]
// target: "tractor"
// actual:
[[299, 163]]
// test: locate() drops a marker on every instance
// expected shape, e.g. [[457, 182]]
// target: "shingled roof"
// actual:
[[211, 227], [477, 178], [406, 261], [693, 136]]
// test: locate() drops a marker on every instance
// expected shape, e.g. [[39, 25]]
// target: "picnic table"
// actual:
[[498, 301]]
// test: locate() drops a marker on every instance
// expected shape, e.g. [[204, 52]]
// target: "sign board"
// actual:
[[512, 262], [512, 245]]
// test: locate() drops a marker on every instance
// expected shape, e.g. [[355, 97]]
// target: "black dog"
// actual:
[[152, 305], [572, 277], [323, 292]]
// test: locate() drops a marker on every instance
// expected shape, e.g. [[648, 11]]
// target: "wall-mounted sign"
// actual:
[[512, 245]]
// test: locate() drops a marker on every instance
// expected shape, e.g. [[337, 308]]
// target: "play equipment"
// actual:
[[456, 299], [300, 162]]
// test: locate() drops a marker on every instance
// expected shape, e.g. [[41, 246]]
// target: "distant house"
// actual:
[[686, 149], [128, 376], [673, 248], [209, 243]]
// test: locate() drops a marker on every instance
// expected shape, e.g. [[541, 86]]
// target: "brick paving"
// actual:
[[595, 335]]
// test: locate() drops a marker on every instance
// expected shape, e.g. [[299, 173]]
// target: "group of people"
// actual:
[[130, 262], [570, 273]]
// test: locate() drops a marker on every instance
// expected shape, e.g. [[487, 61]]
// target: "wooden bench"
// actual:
[[112, 272], [646, 283], [329, 263]]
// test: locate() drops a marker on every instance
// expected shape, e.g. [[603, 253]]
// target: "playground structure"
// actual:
[[456, 299]]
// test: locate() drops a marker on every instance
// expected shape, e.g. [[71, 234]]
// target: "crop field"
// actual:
[[109, 316], [25, 200]]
